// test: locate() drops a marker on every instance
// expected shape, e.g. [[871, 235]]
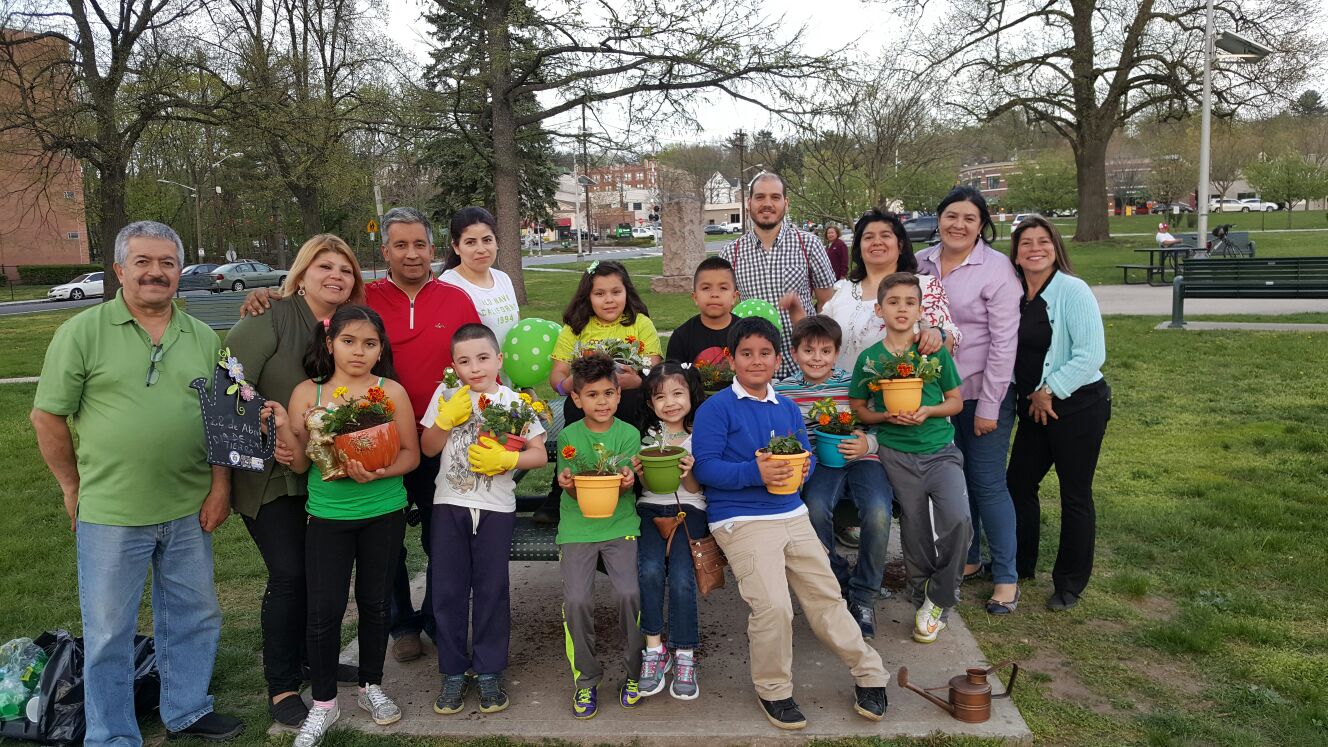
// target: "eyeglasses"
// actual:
[[153, 373]]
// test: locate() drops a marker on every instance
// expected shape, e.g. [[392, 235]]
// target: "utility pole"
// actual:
[[585, 159], [739, 143]]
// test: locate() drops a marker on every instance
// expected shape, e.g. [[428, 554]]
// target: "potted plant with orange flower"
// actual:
[[507, 424], [598, 480], [899, 379], [628, 352], [715, 367], [832, 426], [361, 428]]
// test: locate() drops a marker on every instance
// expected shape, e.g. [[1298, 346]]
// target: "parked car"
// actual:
[[623, 231], [246, 273], [1259, 206], [645, 232], [921, 230], [1017, 219], [1227, 206], [77, 289], [1175, 207], [733, 227], [715, 229], [197, 277]]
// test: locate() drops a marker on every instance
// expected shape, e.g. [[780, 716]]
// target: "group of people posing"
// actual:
[[1016, 337]]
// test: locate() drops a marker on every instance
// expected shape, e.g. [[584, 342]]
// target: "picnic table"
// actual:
[[1160, 260]]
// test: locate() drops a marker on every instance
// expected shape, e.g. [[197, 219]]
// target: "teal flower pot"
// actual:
[[827, 448]]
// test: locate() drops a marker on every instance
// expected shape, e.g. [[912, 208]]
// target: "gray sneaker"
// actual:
[[684, 685], [315, 726], [380, 707], [654, 665]]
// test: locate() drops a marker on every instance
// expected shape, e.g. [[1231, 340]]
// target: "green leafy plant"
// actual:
[[657, 443], [828, 418], [628, 351], [513, 418], [603, 464], [910, 365], [357, 413], [715, 367], [784, 445]]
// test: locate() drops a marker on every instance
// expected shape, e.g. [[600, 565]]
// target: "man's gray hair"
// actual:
[[406, 215], [146, 229]]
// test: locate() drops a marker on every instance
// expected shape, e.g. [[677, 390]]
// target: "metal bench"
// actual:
[[218, 311], [1266, 277]]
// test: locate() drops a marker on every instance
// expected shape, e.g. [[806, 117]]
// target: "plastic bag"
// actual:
[[59, 694]]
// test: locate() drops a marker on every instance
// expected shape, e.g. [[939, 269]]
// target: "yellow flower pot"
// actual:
[[597, 495], [794, 483], [901, 395]]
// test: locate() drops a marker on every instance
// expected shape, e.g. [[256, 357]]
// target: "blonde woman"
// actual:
[[272, 347]]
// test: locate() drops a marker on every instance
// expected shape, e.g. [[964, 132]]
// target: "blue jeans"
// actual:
[[989, 499], [652, 567], [113, 564], [870, 490]]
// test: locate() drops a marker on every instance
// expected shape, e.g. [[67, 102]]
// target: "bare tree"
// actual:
[[655, 55], [1087, 67], [85, 78], [1232, 148]]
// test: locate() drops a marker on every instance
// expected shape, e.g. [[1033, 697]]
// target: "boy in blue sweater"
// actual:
[[768, 539]]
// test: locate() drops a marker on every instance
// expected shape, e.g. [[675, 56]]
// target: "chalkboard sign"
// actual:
[[232, 411]]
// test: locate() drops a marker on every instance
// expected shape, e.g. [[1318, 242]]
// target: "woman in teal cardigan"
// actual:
[[1063, 406]]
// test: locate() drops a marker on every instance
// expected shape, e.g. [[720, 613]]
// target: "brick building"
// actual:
[[43, 219]]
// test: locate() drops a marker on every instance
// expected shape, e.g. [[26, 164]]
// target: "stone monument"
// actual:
[[684, 244]]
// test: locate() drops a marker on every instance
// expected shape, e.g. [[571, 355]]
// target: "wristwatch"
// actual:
[[1046, 389]]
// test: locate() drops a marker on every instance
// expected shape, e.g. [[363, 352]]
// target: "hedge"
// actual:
[[52, 274]]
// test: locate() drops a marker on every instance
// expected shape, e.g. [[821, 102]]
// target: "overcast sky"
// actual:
[[831, 24]]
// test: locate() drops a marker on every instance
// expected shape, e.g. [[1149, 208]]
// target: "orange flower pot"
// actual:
[[597, 495], [375, 448], [901, 395], [794, 483], [513, 442]]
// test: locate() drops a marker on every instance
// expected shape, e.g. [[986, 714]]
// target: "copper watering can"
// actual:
[[970, 693]]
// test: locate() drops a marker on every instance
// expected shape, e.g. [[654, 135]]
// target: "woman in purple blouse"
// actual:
[[984, 301]]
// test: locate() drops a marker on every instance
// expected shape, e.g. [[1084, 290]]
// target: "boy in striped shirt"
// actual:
[[816, 341]]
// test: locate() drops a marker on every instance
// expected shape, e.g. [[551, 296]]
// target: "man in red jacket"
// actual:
[[420, 313]]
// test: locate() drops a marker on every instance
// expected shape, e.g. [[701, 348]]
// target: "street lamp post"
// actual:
[[194, 191], [1234, 47]]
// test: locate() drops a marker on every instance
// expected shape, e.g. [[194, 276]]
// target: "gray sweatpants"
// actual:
[[935, 528], [577, 564]]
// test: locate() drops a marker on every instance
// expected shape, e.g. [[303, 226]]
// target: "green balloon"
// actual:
[[527, 351], [759, 307]]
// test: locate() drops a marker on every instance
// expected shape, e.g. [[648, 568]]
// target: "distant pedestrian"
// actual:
[[837, 251]]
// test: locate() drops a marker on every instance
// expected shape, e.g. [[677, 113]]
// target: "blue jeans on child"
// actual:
[[113, 564], [989, 499], [870, 490], [684, 628]]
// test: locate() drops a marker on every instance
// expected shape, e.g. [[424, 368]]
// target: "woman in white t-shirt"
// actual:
[[469, 266]]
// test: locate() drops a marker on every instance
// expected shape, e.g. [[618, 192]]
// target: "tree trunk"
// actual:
[[111, 196], [506, 181], [311, 217], [1090, 160]]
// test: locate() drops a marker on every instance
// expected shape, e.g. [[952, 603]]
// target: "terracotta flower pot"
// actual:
[[375, 448], [597, 495], [660, 467], [901, 395], [794, 483], [512, 441]]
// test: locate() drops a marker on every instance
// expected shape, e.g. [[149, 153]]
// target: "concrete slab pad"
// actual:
[[539, 681]]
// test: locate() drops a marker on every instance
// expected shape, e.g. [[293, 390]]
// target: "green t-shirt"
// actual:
[[141, 455], [935, 433], [347, 500], [573, 526]]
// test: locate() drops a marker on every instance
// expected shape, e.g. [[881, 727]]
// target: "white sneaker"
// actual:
[[315, 725], [380, 707], [927, 624]]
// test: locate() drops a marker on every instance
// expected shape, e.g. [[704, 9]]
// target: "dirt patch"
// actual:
[[1064, 684], [895, 578], [1154, 607]]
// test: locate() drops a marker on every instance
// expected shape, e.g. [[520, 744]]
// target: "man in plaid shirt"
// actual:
[[778, 262]]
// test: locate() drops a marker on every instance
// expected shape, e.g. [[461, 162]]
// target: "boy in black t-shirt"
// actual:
[[715, 293]]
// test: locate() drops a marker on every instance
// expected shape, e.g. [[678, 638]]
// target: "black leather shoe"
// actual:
[[871, 702], [783, 713], [547, 513], [865, 616], [213, 727], [289, 711], [1061, 601]]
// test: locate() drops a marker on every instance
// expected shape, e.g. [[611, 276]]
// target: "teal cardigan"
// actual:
[[1078, 341]]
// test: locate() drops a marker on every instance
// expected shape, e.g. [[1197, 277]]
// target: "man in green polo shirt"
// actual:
[[138, 489]]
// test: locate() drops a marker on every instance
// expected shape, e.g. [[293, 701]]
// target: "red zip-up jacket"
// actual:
[[420, 331]]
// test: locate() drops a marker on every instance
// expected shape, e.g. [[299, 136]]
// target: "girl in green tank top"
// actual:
[[357, 522]]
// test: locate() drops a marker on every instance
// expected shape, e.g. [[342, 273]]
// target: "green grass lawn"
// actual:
[[23, 292], [1204, 624], [1274, 221]]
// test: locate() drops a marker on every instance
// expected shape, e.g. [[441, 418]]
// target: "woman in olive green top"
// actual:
[[272, 347]]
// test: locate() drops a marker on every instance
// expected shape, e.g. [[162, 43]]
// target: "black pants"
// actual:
[[278, 530], [332, 548], [1072, 445], [419, 491]]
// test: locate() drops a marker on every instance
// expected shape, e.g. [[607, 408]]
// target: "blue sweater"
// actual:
[[725, 437], [1078, 342]]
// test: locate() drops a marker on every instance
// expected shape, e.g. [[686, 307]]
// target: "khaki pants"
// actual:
[[770, 557]]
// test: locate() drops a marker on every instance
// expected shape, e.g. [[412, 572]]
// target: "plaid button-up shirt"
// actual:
[[796, 262]]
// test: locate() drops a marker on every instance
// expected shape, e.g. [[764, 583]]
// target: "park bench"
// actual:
[[1236, 244], [218, 310], [1266, 277]]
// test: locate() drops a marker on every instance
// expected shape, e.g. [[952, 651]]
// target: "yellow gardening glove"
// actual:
[[488, 457], [455, 411]]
